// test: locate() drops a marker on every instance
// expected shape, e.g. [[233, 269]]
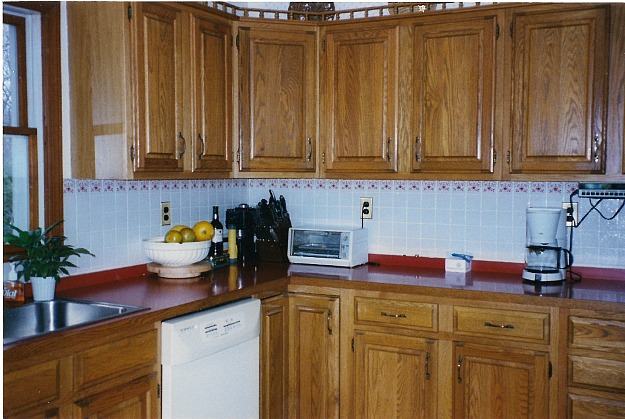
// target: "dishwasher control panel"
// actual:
[[209, 331], [230, 324]]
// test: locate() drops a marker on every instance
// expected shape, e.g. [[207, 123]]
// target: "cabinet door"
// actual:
[[313, 356], [559, 73], [211, 60], [493, 382], [394, 376], [136, 399], [274, 358], [454, 94], [359, 100], [160, 143], [277, 100]]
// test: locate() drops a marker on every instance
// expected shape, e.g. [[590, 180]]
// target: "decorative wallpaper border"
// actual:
[[95, 185]]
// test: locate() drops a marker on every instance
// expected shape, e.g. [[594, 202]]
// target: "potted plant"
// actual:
[[43, 259]]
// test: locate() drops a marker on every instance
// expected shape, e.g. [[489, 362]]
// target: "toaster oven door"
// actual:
[[318, 244]]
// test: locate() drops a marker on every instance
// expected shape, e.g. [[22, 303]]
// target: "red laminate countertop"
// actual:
[[171, 298]]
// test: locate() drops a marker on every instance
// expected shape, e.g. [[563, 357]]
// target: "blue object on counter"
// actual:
[[462, 256]]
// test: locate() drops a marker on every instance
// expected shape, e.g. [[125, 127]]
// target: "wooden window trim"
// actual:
[[52, 108]]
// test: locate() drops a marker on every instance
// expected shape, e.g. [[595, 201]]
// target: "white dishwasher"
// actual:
[[210, 363]]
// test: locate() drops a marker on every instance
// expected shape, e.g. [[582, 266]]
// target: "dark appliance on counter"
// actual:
[[272, 229], [241, 220]]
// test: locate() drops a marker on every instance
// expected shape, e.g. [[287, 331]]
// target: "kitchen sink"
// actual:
[[43, 317]]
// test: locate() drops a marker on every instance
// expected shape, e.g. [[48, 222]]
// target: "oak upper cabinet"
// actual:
[[394, 375], [493, 382], [359, 67], [211, 60], [150, 87], [157, 56], [453, 109], [559, 97], [277, 99]]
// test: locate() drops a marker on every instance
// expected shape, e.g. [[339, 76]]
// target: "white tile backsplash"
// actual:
[[426, 218]]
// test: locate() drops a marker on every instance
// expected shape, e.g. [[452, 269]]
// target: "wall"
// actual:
[[426, 218]]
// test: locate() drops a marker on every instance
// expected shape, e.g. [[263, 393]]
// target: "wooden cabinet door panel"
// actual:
[[394, 376], [277, 100], [274, 358], [495, 382], [360, 90], [454, 94], [160, 142], [313, 356], [559, 91], [211, 55]]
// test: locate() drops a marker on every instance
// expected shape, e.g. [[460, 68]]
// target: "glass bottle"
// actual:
[[217, 242]]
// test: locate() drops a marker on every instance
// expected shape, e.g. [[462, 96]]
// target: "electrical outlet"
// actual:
[[165, 213], [366, 208], [571, 218]]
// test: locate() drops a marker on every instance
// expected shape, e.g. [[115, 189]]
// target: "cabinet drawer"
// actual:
[[422, 316], [32, 386], [592, 333], [110, 360], [588, 371], [583, 407], [502, 324]]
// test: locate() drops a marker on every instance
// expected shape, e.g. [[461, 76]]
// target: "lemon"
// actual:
[[173, 236], [204, 231], [187, 235], [179, 227]]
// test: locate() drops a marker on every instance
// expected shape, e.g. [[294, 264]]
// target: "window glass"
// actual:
[[10, 83], [16, 181]]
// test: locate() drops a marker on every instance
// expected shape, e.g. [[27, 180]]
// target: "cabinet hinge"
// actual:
[[508, 157], [497, 32], [132, 153], [129, 13], [494, 156], [352, 344], [158, 391], [550, 370]]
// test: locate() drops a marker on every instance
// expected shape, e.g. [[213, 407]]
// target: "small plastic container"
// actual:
[[13, 289]]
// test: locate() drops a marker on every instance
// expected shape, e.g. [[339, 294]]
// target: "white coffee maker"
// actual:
[[546, 255]]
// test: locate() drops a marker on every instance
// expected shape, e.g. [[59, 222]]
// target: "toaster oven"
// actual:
[[333, 247]]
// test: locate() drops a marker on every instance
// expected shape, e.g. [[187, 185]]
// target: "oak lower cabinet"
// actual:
[[394, 376], [559, 82], [500, 382], [454, 73], [359, 84], [94, 376], [278, 98], [151, 91], [596, 364], [300, 356]]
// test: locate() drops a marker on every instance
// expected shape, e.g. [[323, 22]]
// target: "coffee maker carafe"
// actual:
[[241, 221], [546, 255]]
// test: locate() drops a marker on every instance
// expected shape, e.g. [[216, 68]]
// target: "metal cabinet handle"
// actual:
[[309, 144], [388, 149], [499, 326], [184, 145], [416, 148], [459, 367], [596, 149], [329, 319], [199, 156], [397, 316]]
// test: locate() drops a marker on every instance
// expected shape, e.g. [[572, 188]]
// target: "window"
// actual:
[[20, 177], [32, 151]]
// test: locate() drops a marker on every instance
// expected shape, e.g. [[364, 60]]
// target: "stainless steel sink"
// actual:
[[42, 317]]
